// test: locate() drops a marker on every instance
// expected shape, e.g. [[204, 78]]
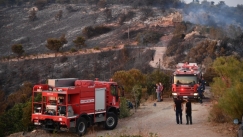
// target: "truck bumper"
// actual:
[[189, 96]]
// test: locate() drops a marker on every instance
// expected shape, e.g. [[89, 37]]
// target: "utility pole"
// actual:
[[128, 35], [110, 69]]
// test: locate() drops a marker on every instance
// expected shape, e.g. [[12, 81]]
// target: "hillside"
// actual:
[[119, 35], [189, 35], [189, 32]]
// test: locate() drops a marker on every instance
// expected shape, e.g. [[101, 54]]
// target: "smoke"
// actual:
[[220, 16]]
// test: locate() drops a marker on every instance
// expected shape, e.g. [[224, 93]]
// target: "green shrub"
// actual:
[[124, 111], [136, 95], [54, 44], [73, 50], [18, 49], [227, 88], [79, 42]]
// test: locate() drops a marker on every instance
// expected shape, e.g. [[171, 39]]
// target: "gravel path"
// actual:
[[158, 121]]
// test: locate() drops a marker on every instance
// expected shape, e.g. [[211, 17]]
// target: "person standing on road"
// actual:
[[203, 82], [158, 92], [200, 93], [188, 111], [178, 108], [161, 90]]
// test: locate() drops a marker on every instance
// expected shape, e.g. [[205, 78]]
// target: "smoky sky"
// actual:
[[213, 15], [231, 3]]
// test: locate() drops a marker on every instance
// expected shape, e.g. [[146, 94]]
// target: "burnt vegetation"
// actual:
[[91, 31], [16, 78]]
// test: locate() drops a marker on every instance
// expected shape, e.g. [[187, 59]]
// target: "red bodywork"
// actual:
[[185, 80], [61, 102]]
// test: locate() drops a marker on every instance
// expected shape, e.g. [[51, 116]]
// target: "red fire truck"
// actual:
[[185, 80], [74, 105]]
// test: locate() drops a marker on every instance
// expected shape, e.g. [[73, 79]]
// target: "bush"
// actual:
[[73, 50], [202, 50], [172, 47], [227, 88], [40, 4], [90, 31], [217, 115], [63, 59], [96, 48], [148, 37], [32, 15], [136, 95], [18, 49], [180, 28], [124, 110], [79, 42], [54, 44]]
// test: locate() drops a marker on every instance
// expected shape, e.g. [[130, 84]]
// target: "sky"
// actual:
[[231, 3]]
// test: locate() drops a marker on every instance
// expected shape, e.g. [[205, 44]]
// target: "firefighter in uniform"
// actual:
[[200, 92]]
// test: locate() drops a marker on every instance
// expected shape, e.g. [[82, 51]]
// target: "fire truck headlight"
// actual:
[[174, 94], [195, 94]]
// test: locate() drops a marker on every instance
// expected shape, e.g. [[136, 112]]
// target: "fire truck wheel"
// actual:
[[111, 121], [81, 126]]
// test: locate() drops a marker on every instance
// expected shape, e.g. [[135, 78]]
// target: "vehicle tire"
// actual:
[[81, 126], [111, 121], [50, 131]]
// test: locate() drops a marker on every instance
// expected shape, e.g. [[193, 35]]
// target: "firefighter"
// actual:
[[203, 82], [188, 110], [200, 93], [178, 108]]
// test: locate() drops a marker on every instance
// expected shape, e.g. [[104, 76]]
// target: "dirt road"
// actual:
[[158, 121]]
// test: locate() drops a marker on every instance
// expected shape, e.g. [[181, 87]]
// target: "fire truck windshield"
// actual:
[[185, 79]]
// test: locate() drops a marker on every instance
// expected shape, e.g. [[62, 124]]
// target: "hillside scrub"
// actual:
[[227, 88]]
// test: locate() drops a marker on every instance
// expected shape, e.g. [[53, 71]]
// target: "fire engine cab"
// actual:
[[185, 80], [74, 105]]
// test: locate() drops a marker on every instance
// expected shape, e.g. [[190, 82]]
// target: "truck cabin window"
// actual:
[[114, 90], [185, 80]]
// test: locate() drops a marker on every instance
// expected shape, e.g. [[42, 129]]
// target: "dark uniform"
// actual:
[[203, 83], [200, 93], [178, 107], [188, 112]]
